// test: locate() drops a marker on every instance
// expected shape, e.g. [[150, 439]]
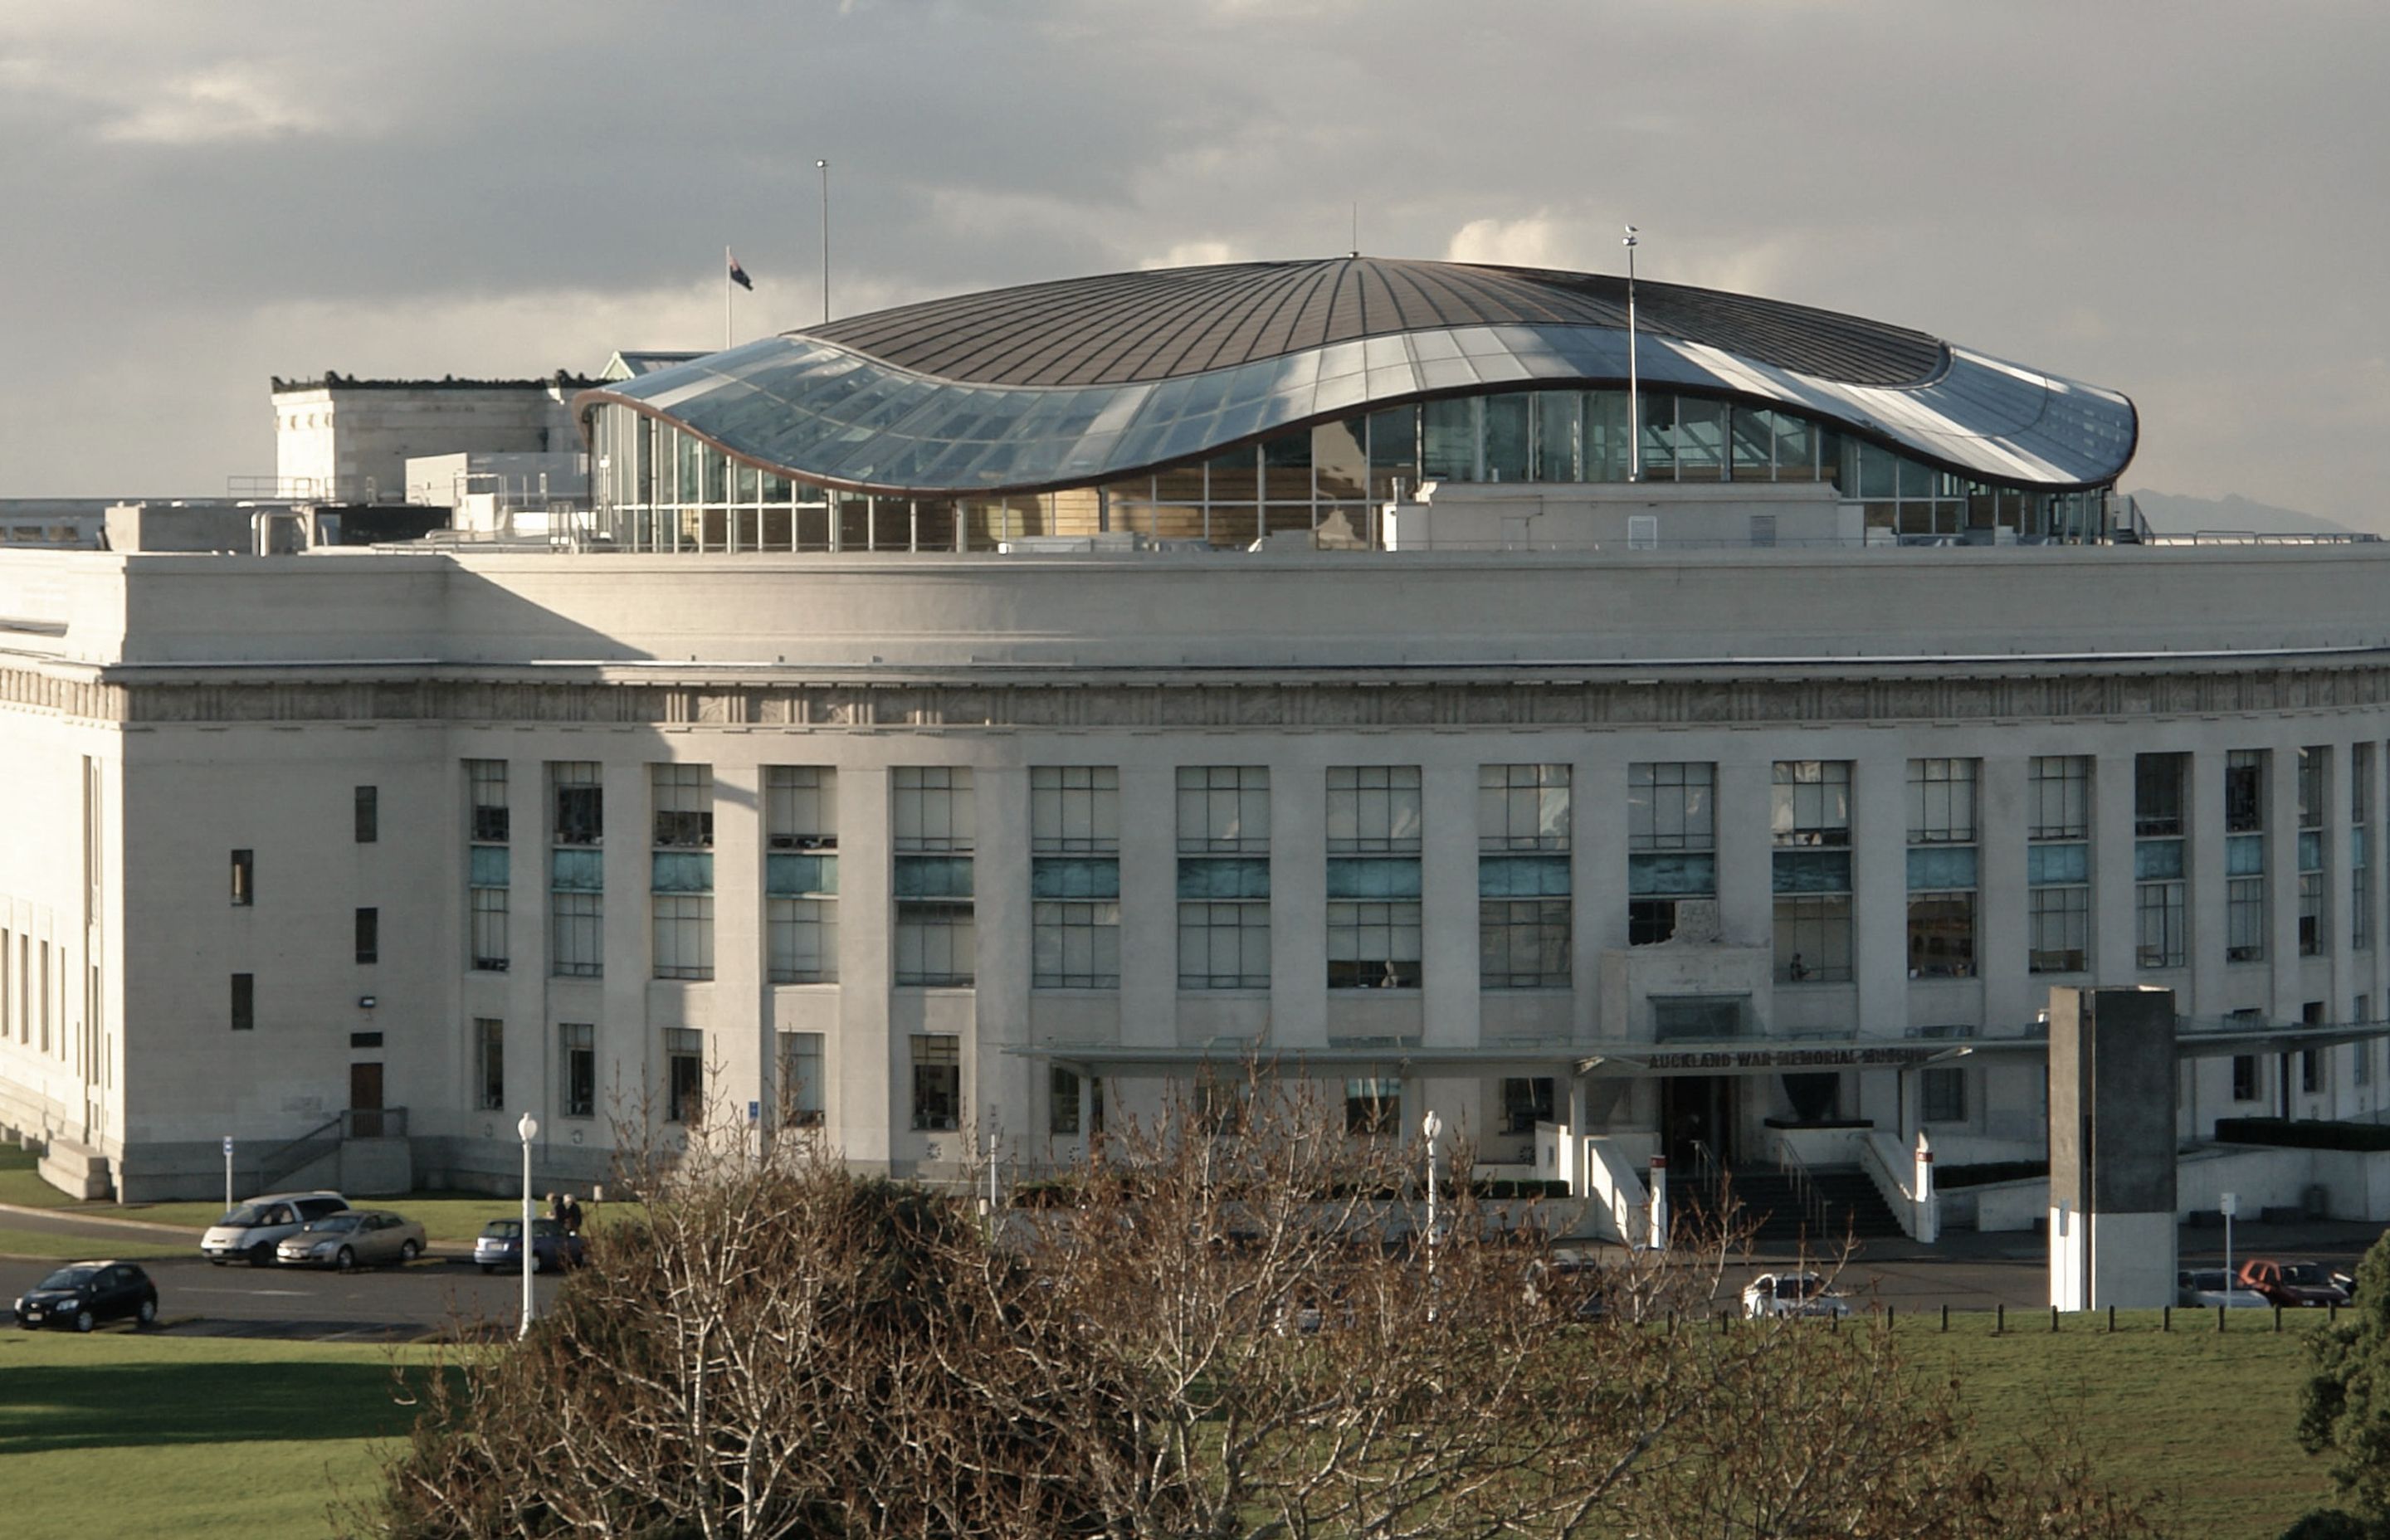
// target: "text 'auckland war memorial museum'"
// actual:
[[985, 716]]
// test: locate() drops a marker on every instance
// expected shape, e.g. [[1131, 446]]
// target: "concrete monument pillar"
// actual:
[[2112, 1148]]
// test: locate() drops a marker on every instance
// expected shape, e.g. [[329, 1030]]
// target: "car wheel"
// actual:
[[489, 1267], [147, 1316], [346, 1262], [408, 1252], [538, 1262], [261, 1256], [85, 1320]]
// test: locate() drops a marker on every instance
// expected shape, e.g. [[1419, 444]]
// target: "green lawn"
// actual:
[[2202, 1421], [20, 1185], [118, 1433], [41, 1243]]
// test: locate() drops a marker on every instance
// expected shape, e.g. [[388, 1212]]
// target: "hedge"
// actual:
[[2316, 1134], [1985, 1171]]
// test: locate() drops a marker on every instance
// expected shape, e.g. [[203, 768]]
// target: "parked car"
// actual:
[[83, 1294], [2292, 1283], [500, 1245], [1569, 1284], [2206, 1288], [1782, 1294], [251, 1231], [353, 1238]]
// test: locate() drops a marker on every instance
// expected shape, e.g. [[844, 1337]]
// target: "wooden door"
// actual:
[[365, 1101]]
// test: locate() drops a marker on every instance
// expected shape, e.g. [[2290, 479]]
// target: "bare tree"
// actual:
[[1231, 1328]]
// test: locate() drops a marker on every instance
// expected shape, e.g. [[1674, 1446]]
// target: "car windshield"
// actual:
[[502, 1229], [245, 1215], [1801, 1285], [2302, 1272], [69, 1277], [337, 1221]]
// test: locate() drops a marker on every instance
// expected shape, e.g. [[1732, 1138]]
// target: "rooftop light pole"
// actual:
[[1634, 385], [823, 167]]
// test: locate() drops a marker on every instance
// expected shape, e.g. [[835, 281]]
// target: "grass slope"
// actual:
[[118, 1433]]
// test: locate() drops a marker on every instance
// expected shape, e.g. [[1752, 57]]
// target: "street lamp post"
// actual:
[[1430, 1126], [529, 1129]]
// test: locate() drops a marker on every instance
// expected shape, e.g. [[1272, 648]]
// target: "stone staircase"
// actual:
[[1853, 1207]]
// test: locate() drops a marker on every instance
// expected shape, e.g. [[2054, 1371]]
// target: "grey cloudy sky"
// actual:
[[2184, 200]]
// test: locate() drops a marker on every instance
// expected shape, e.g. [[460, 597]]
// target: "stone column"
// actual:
[[2112, 1148]]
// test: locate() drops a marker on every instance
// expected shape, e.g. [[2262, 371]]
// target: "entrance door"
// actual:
[[365, 1101], [1697, 1110]]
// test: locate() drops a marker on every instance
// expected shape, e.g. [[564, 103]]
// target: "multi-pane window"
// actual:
[[487, 858], [936, 942], [576, 870], [1526, 1101], [1671, 844], [1373, 877], [680, 882], [684, 1074], [2058, 864], [2315, 774], [1810, 816], [1074, 876], [576, 1044], [1223, 888], [798, 1079], [367, 935], [244, 1002], [2360, 871], [2160, 795], [1942, 868], [489, 1063], [1061, 1100], [1373, 1108], [2245, 1080], [1944, 1095], [801, 874], [1523, 908], [367, 820], [937, 1080], [2244, 855]]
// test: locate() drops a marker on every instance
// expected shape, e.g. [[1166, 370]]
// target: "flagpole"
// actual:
[[726, 298]]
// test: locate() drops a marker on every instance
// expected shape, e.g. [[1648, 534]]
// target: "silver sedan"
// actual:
[[358, 1238]]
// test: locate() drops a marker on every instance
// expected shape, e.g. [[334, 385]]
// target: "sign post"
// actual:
[[227, 1174], [2228, 1204]]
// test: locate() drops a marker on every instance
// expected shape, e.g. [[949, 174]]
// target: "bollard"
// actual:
[[1834, 1324], [1946, 1319], [1887, 1318], [2053, 1320], [2165, 1318], [1999, 1318], [2112, 1320], [2219, 1320], [2278, 1318]]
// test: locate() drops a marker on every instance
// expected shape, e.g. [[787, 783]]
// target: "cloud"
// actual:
[[1193, 253], [226, 102], [1537, 241]]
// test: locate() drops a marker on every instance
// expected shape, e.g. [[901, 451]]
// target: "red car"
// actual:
[[2292, 1283]]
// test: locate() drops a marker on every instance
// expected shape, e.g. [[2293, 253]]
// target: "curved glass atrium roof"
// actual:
[[1091, 381]]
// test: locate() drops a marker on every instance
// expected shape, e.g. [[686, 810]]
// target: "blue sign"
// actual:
[[228, 1145], [754, 1111]]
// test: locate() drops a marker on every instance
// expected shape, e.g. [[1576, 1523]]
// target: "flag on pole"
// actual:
[[738, 274]]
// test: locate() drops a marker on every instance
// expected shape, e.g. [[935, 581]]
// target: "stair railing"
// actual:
[[1795, 1171], [277, 1165], [1706, 1170]]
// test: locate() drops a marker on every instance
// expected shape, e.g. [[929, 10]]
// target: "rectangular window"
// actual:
[[2058, 864], [576, 804], [1224, 889], [801, 874], [1373, 1109], [576, 870], [2360, 874], [799, 807], [489, 1063], [368, 935], [680, 884], [2315, 922], [486, 783], [368, 815], [1061, 1100], [1523, 908], [2244, 855], [799, 1078], [1810, 821], [1526, 1101], [489, 922], [937, 1082], [1074, 877], [1945, 1092], [488, 863], [244, 1002], [1942, 868], [684, 1075], [1671, 844], [1373, 877], [936, 937], [2244, 791], [244, 878], [2161, 919], [2244, 1077], [577, 1062], [2362, 1054]]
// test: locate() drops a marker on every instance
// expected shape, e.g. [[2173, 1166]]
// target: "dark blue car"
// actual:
[[500, 1245]]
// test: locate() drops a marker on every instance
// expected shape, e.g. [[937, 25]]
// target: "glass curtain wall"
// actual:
[[660, 489]]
